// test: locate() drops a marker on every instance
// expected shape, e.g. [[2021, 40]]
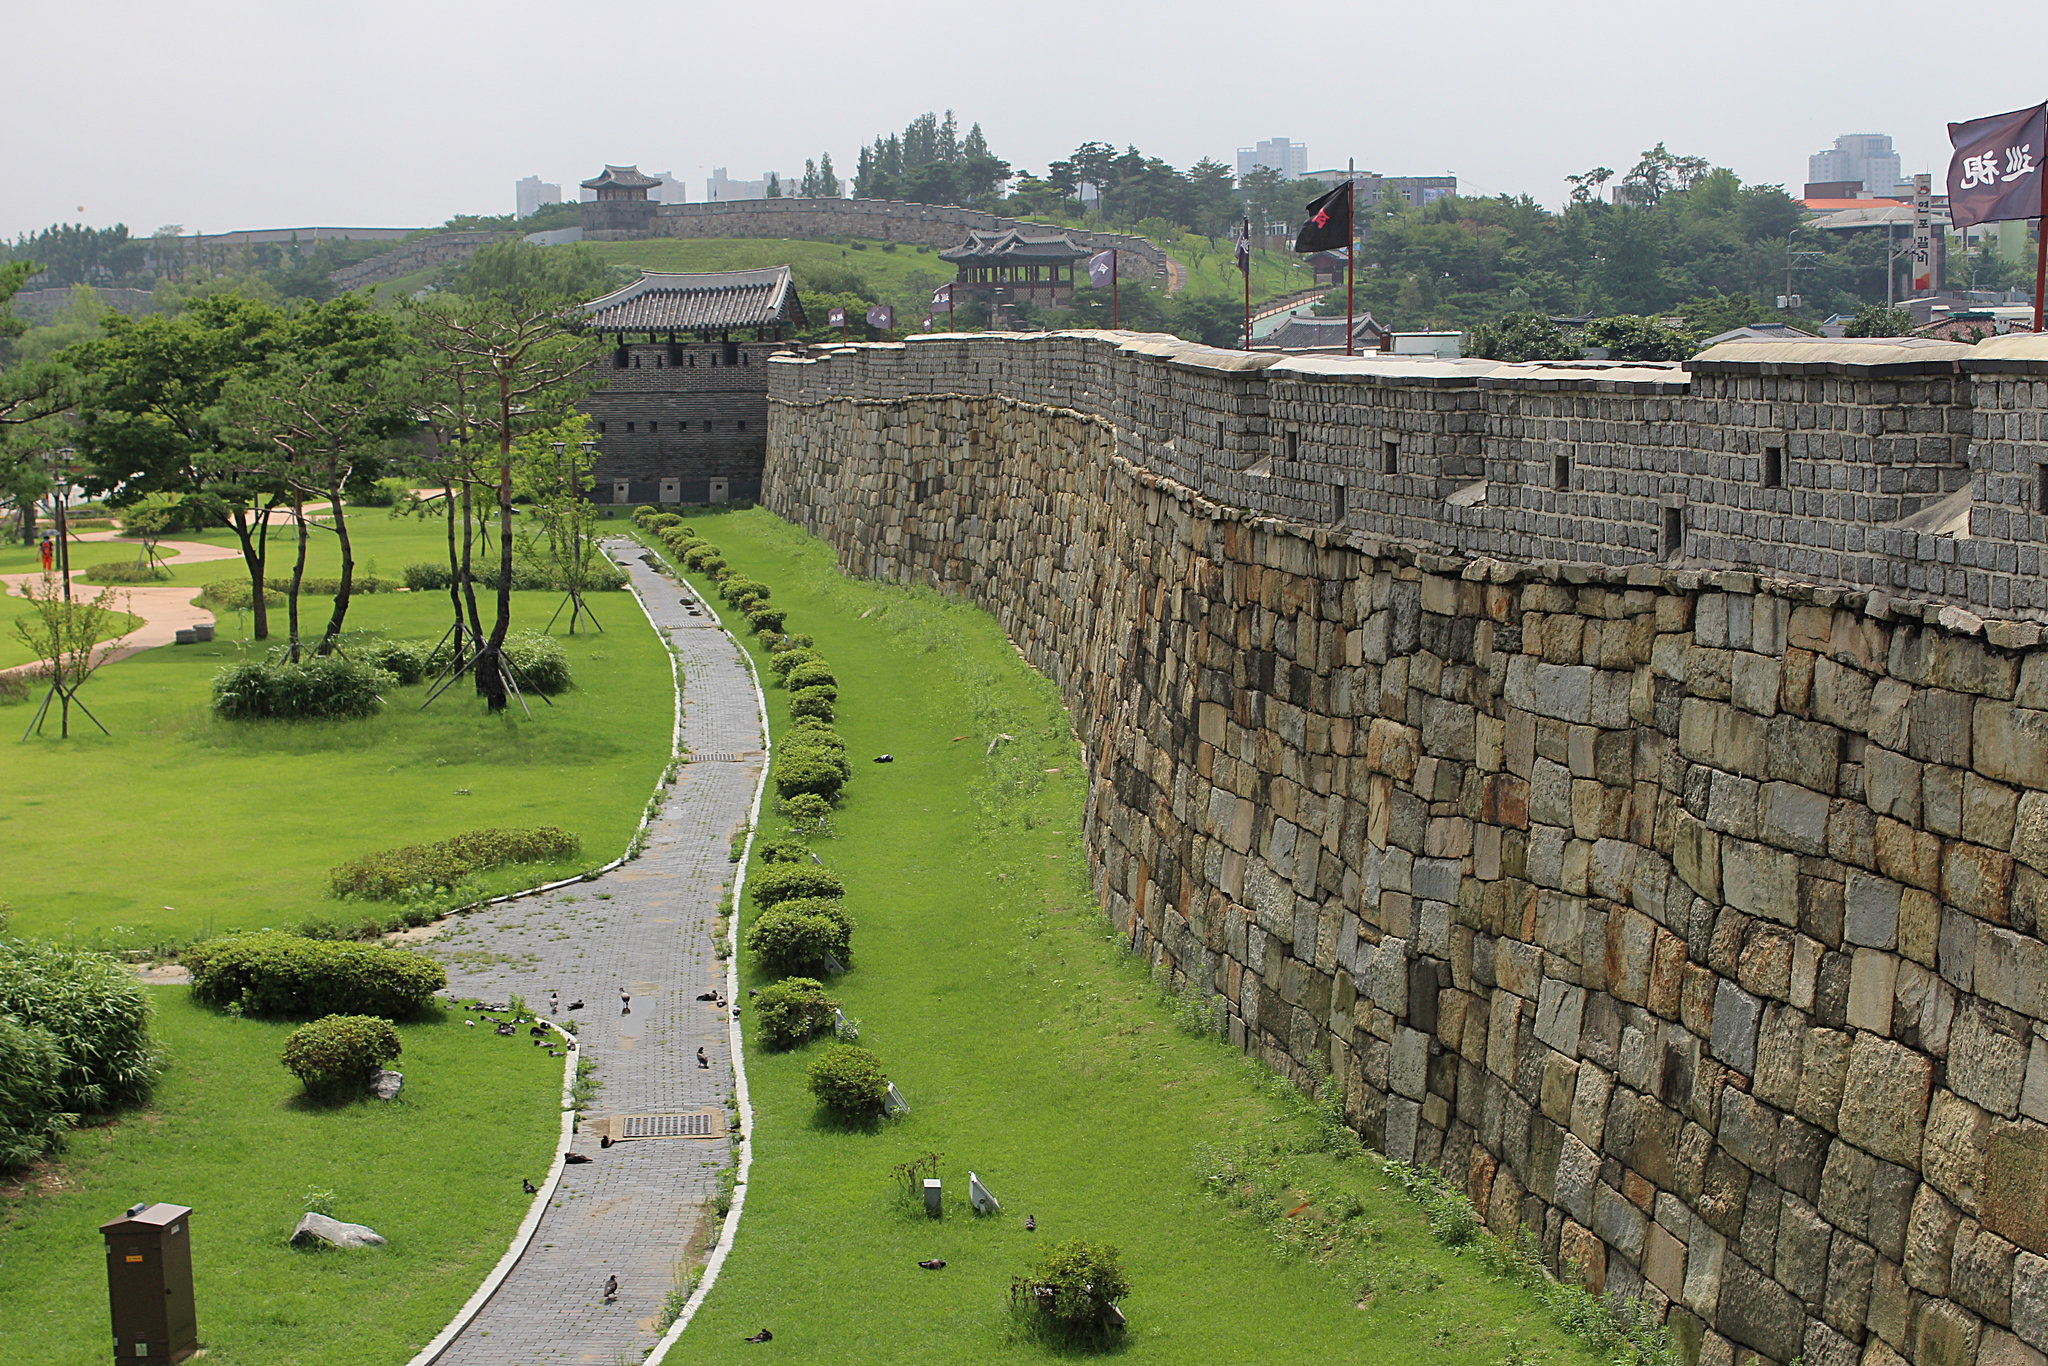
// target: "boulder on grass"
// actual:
[[384, 1085], [317, 1230]]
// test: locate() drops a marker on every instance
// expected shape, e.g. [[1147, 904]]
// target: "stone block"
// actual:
[[1980, 1276], [1946, 1334], [1952, 1158], [2016, 1199], [1938, 728], [1989, 810], [1704, 1250], [2010, 744], [1558, 1012], [1930, 1242], [1845, 1187], [1802, 1258], [1578, 1174], [1736, 1016], [1841, 695], [1890, 1310], [1757, 1312], [1664, 1261], [2030, 1299], [1618, 1222], [2001, 1348], [1977, 880], [2034, 1093], [1884, 1103], [1696, 855], [1793, 817], [1873, 978], [1823, 1072], [1987, 1062], [1891, 784], [1851, 1266], [1760, 880]]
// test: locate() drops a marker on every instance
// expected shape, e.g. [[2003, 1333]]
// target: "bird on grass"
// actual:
[[763, 1336], [506, 1029], [885, 758], [530, 1188], [1030, 1223], [470, 1023], [611, 1288], [932, 1263], [735, 1012]]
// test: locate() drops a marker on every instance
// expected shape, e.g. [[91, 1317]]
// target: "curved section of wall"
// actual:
[[881, 220], [439, 249], [1689, 920]]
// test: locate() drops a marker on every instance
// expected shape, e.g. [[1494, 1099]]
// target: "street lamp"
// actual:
[[60, 478]]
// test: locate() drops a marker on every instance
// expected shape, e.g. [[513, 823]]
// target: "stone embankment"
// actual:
[[1688, 917]]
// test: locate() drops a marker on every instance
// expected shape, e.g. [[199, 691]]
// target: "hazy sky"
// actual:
[[221, 114]]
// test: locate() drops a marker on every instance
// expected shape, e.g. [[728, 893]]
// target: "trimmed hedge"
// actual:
[[766, 620], [33, 1113], [848, 1080], [782, 661], [600, 576], [276, 974], [798, 935], [422, 869], [333, 1056], [1074, 1284], [537, 661], [792, 1010], [813, 703], [808, 770], [404, 660], [812, 673], [788, 849], [321, 687], [787, 881], [814, 735]]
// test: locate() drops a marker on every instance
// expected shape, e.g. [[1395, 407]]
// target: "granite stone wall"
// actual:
[[437, 249], [675, 417], [1689, 919]]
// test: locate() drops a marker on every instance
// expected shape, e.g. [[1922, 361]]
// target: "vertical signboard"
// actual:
[[1923, 235]]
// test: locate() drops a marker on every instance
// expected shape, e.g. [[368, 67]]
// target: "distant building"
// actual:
[[1327, 334], [1287, 157], [1009, 267], [531, 192], [670, 191], [1867, 159], [721, 186], [1373, 187]]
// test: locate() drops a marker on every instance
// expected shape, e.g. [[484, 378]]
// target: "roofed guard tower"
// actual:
[[622, 203], [685, 418]]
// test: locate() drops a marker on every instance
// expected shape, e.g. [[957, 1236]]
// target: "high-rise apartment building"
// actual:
[[722, 186], [531, 192], [1288, 157], [1864, 158]]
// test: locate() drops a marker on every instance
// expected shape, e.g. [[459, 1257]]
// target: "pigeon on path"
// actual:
[[530, 1188], [703, 1059], [763, 1336], [611, 1288], [576, 1004], [574, 1158]]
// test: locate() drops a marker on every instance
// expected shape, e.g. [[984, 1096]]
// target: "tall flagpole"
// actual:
[[1246, 271], [2041, 247], [1350, 257], [1113, 289]]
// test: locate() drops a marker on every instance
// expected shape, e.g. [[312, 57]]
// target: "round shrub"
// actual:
[[807, 770], [334, 1055], [96, 1011], [643, 512], [787, 938], [714, 568], [788, 849], [809, 674], [806, 810], [273, 973], [1073, 1285], [792, 1010], [699, 553], [321, 687], [849, 1080], [812, 702], [404, 660], [835, 756], [814, 734], [662, 521], [737, 586], [786, 881], [538, 663], [33, 1113], [783, 661], [766, 620]]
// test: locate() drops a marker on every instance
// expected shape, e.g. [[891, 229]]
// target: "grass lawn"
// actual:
[[1032, 1050], [1213, 270], [435, 1171], [179, 825], [13, 607]]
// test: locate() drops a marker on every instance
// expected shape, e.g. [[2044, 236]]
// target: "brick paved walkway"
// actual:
[[645, 927]]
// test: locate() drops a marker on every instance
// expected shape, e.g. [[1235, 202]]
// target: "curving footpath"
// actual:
[[638, 1208], [165, 609]]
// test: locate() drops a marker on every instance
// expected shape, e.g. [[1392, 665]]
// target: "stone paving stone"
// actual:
[[633, 1210]]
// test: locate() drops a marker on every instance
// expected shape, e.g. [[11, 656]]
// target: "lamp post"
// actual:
[[60, 477]]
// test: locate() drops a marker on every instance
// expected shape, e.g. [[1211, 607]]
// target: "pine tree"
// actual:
[[828, 183], [774, 185], [948, 148], [807, 188]]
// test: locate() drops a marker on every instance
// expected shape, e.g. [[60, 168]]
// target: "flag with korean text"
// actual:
[[942, 299], [836, 318], [882, 316], [1102, 269], [1995, 174], [1241, 241]]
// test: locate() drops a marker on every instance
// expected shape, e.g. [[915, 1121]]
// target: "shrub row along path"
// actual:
[[165, 609], [635, 1209]]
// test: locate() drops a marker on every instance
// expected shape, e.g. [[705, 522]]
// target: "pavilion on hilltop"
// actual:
[[1011, 267], [621, 182]]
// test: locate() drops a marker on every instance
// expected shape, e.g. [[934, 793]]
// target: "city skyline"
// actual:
[[395, 145]]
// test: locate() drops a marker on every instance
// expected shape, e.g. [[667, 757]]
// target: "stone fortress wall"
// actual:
[[1686, 915], [885, 220]]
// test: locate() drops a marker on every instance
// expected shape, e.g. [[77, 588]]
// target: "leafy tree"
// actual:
[[930, 163], [526, 274], [553, 475], [1632, 338], [518, 363], [1521, 336], [1876, 320], [1712, 315], [828, 180], [69, 638], [774, 186]]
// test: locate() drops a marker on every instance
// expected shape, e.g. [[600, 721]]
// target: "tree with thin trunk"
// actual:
[[66, 638], [527, 364]]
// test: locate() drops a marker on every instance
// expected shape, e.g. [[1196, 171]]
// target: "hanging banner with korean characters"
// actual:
[[1995, 174]]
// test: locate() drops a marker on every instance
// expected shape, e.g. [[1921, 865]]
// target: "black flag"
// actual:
[[1329, 222], [1995, 175]]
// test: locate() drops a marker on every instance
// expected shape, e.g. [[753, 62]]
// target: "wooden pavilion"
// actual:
[[1011, 267]]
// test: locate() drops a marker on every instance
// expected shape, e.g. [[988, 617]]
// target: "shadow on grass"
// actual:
[[827, 1121], [1063, 1340]]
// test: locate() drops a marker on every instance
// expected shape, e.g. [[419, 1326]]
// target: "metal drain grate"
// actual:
[[716, 756], [689, 1124]]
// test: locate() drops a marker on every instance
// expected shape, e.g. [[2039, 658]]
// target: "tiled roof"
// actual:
[[1011, 245], [716, 302], [624, 177]]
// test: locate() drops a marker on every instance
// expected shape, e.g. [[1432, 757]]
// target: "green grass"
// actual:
[[13, 608], [435, 1171], [1033, 1050], [1213, 270], [179, 825]]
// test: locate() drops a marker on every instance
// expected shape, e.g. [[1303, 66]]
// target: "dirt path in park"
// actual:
[[165, 608]]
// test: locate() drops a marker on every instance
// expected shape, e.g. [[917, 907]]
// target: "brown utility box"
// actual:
[[149, 1285]]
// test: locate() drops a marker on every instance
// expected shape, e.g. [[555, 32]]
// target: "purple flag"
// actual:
[[942, 298], [836, 318], [1243, 243], [1102, 268], [1995, 174], [882, 316]]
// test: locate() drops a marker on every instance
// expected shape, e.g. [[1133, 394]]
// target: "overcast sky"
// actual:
[[223, 114]]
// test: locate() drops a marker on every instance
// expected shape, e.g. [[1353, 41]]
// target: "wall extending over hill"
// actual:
[[1689, 918], [881, 220], [436, 249]]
